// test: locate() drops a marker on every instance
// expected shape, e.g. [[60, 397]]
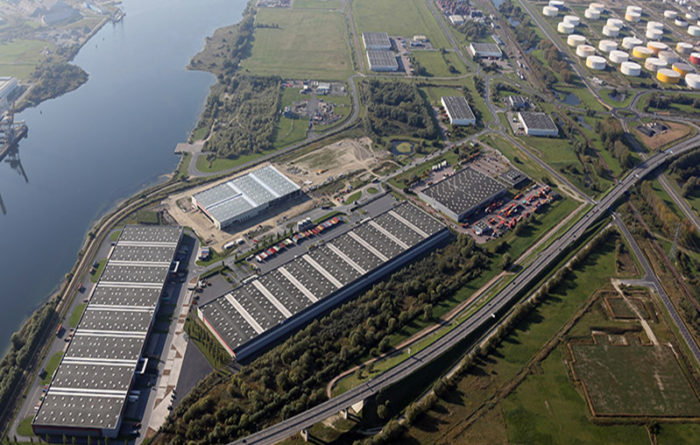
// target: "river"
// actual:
[[105, 141]]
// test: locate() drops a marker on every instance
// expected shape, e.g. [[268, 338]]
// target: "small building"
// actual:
[[537, 124], [380, 60], [458, 110], [376, 40], [8, 85], [456, 19], [485, 50], [518, 102], [514, 178], [462, 193], [204, 253], [481, 228], [323, 88]]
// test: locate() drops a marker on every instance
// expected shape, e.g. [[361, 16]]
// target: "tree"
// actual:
[[383, 411], [428, 312], [506, 261]]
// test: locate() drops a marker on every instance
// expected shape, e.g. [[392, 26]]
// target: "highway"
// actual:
[[483, 318]]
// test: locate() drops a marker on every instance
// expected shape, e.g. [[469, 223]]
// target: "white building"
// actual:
[[8, 85], [486, 50], [458, 110], [376, 40], [538, 124], [456, 19]]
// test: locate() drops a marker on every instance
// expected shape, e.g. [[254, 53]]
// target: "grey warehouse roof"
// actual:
[[91, 385], [538, 121], [458, 107], [376, 39], [382, 58], [270, 299], [485, 47], [227, 201], [464, 190]]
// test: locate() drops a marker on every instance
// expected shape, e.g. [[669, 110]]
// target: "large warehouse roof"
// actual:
[[382, 60], [537, 121], [458, 108], [464, 190], [227, 201], [90, 387], [260, 305], [376, 40]]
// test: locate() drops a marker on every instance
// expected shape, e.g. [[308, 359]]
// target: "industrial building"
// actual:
[[518, 102], [244, 197], [514, 178], [8, 85], [462, 193], [270, 307], [89, 391], [458, 110], [485, 50], [376, 40], [538, 124], [380, 60]]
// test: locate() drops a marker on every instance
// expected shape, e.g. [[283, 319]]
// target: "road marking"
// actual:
[[323, 271], [408, 224], [389, 235], [368, 246], [285, 273], [241, 310], [275, 302], [346, 259]]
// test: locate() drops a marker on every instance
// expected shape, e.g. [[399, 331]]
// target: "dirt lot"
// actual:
[[675, 132]]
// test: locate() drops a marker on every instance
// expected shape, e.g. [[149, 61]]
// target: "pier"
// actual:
[[11, 132]]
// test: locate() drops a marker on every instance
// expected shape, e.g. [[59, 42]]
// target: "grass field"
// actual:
[[50, 367], [25, 427], [437, 64], [308, 44], [18, 58], [221, 164], [76, 314], [407, 18], [317, 4], [95, 276]]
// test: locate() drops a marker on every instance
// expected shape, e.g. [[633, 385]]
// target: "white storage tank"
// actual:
[[550, 11], [572, 20], [585, 51], [607, 45], [630, 42], [565, 28], [657, 47], [655, 25], [630, 69], [556, 4], [615, 22], [691, 16], [574, 40], [669, 56], [671, 15], [694, 31], [618, 57], [684, 48], [633, 17], [611, 31], [595, 62], [653, 64], [680, 23], [654, 34], [591, 14], [693, 81], [597, 7], [636, 9]]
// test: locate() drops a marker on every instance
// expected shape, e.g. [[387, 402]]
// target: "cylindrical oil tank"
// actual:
[[693, 81], [680, 23], [575, 40], [550, 11], [585, 50], [642, 52], [668, 56], [611, 31], [654, 34], [684, 48], [655, 25], [633, 17], [597, 7], [615, 22], [671, 15], [572, 20], [631, 42], [556, 4], [636, 9], [653, 64], [618, 57], [595, 62], [666, 75], [657, 47], [592, 14], [565, 28], [607, 45], [630, 69], [682, 68], [691, 16], [694, 31], [695, 58]]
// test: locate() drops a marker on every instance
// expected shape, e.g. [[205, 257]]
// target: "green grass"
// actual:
[[404, 18], [182, 171], [372, 190], [317, 4], [114, 236], [50, 367], [221, 164], [25, 427], [206, 343], [673, 434], [76, 314], [95, 277], [200, 134], [437, 64], [309, 44], [18, 58], [354, 197]]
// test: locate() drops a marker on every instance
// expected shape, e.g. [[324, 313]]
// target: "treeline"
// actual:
[[658, 214], [473, 30], [396, 108], [524, 31], [613, 137], [556, 64], [292, 377], [55, 76], [687, 168], [242, 117], [662, 101], [22, 345]]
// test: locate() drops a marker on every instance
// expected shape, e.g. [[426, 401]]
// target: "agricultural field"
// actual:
[[316, 4], [18, 58], [300, 44], [408, 18], [437, 64]]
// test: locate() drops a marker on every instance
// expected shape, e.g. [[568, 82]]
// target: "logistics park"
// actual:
[[495, 240]]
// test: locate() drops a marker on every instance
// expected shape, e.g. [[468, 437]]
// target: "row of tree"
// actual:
[[613, 137]]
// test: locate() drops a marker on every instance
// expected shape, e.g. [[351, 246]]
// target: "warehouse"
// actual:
[[485, 50], [514, 178], [8, 85], [538, 124], [270, 307], [244, 197], [458, 110], [463, 193], [89, 391], [382, 60], [376, 40]]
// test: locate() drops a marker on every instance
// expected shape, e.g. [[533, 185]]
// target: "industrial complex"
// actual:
[[463, 193], [382, 60], [537, 124], [90, 389], [267, 308], [245, 197], [458, 110], [485, 50]]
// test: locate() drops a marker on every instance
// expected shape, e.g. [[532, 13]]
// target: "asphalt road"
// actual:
[[482, 318]]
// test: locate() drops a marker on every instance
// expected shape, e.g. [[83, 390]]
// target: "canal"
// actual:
[[102, 143]]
